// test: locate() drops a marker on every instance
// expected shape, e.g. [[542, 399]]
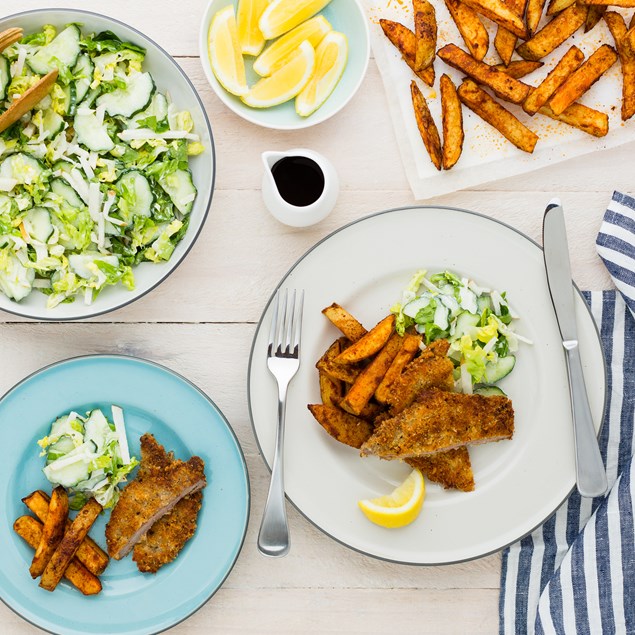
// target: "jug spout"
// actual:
[[270, 158]]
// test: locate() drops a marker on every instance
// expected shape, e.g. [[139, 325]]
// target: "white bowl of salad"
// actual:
[[106, 183]]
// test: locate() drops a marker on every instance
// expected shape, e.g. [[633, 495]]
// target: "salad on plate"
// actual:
[[477, 322], [95, 179]]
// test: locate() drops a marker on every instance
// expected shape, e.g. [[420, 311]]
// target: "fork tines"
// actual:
[[286, 323]]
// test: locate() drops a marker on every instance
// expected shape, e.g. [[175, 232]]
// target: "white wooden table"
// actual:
[[200, 322]]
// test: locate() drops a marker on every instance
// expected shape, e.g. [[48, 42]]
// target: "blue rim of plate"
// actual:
[[233, 437], [208, 205], [266, 309]]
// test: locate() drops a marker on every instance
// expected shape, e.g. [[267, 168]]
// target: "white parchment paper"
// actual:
[[487, 155]]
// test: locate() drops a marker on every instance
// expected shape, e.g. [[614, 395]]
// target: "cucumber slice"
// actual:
[[464, 322], [180, 188], [91, 133], [52, 123], [89, 98], [158, 109], [68, 102], [62, 51], [502, 368], [130, 100], [37, 222], [489, 391], [63, 189], [483, 302], [135, 194], [5, 76], [84, 69], [21, 167]]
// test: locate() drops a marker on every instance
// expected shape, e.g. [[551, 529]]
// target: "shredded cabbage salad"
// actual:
[[478, 323], [88, 455], [95, 179]]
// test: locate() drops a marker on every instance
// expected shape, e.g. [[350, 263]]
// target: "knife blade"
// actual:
[[590, 472]]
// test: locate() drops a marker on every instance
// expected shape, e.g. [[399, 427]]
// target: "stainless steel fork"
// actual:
[[283, 360]]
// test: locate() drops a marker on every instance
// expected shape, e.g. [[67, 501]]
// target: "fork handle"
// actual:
[[273, 539]]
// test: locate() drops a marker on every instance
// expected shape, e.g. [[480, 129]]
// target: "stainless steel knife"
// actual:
[[590, 472]]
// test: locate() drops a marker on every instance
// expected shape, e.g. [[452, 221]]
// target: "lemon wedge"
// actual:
[[330, 60], [224, 52], [286, 82], [251, 39], [277, 53], [282, 15], [399, 508]]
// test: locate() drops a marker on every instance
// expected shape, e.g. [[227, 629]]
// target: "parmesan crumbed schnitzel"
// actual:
[[167, 537], [149, 497], [450, 468], [431, 369], [440, 420]]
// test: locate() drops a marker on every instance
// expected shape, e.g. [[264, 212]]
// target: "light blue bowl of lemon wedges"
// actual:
[[321, 59]]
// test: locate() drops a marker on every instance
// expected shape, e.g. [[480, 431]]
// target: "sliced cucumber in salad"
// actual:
[[52, 124], [21, 167], [83, 70], [91, 132], [5, 76], [62, 51], [136, 196], [130, 100], [180, 188], [62, 188], [37, 223], [489, 391]]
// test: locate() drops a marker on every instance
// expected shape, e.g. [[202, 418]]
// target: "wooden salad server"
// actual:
[[27, 100], [9, 37]]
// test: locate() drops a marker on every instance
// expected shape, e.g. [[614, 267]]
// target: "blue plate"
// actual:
[[184, 420]]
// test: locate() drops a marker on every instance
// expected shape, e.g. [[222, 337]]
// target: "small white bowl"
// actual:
[[168, 77], [346, 16]]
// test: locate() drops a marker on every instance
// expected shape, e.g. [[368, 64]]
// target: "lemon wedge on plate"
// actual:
[[286, 82], [282, 15], [276, 54], [330, 60], [224, 52], [251, 39], [399, 508]]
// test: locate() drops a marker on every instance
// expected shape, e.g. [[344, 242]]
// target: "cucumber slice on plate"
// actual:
[[91, 132], [5, 76], [181, 190], [135, 195], [130, 100], [21, 167], [464, 322], [37, 222], [496, 371], [62, 51], [63, 189], [84, 71], [489, 391], [158, 109]]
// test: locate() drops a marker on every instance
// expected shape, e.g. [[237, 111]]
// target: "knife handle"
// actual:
[[590, 472]]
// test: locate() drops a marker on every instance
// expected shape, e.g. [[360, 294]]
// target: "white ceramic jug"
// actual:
[[299, 215]]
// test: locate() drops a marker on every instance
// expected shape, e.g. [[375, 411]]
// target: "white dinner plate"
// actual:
[[519, 483]]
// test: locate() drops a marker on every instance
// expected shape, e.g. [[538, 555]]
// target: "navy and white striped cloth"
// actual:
[[575, 575]]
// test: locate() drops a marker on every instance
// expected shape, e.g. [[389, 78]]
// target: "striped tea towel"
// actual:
[[575, 575]]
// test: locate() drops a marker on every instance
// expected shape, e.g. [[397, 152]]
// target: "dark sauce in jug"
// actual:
[[299, 180]]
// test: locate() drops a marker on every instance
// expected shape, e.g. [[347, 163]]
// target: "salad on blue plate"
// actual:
[[88, 455], [477, 321], [95, 179]]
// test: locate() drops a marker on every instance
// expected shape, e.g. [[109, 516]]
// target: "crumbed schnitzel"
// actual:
[[167, 537], [440, 420], [150, 497], [430, 369], [450, 468]]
